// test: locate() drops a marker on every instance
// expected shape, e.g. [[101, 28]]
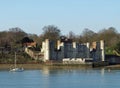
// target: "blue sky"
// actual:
[[67, 15]]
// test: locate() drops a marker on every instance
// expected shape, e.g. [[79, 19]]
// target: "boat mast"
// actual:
[[15, 59]]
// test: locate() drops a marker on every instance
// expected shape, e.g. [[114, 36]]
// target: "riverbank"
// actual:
[[25, 66], [41, 66], [113, 66]]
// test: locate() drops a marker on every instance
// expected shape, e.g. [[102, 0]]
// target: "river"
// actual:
[[61, 78]]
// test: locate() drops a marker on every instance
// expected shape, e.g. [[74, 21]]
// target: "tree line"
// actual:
[[12, 37], [110, 35]]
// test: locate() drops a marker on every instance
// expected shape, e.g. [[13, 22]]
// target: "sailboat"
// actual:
[[16, 69]]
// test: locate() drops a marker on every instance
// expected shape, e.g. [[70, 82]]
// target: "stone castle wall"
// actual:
[[73, 50]]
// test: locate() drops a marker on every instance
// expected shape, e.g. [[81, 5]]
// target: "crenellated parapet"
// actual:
[[66, 49]]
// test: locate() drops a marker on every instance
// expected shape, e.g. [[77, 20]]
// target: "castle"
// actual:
[[72, 52]]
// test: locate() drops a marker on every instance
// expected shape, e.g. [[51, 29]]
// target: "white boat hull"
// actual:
[[17, 70]]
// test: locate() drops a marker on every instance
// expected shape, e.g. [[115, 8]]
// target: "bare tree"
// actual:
[[110, 36], [88, 35], [72, 36], [51, 32]]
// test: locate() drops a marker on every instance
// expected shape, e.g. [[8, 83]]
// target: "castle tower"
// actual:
[[74, 49], [46, 50], [88, 50], [102, 47], [58, 44], [62, 50]]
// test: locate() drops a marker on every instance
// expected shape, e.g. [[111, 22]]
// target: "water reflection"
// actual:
[[102, 71], [51, 70], [62, 77], [45, 71], [79, 77]]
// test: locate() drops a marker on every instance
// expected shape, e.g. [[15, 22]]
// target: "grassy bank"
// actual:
[[42, 66], [25, 66], [114, 67]]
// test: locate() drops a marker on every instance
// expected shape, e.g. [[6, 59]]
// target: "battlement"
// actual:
[[64, 49]]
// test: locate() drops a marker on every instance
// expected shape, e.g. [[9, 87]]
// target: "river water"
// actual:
[[61, 78]]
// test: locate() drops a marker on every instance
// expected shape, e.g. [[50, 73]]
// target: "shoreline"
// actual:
[[25, 66], [42, 66]]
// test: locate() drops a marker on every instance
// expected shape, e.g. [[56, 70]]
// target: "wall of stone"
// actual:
[[73, 50]]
